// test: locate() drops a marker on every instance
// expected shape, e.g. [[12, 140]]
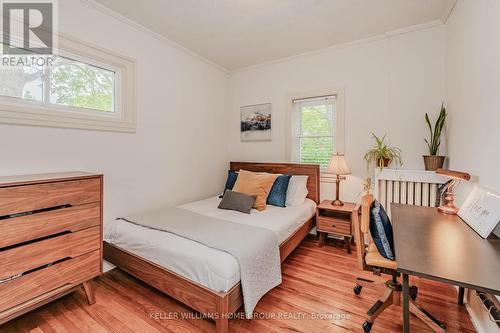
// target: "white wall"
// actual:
[[473, 98], [389, 82], [472, 88], [178, 152]]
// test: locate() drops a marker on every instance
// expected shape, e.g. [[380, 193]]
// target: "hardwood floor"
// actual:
[[317, 282]]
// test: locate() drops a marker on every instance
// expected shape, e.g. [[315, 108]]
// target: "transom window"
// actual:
[[67, 82], [80, 87]]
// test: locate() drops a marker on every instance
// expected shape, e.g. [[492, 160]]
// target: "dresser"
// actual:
[[50, 238]]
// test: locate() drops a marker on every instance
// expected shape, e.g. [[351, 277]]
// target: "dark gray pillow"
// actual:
[[237, 201]]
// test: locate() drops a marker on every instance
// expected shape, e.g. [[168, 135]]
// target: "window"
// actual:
[[66, 83], [80, 85], [316, 128], [83, 87]]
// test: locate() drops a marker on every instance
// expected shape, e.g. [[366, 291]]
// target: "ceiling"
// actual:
[[241, 33]]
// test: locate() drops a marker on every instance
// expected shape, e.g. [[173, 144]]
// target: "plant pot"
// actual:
[[432, 162], [385, 162]]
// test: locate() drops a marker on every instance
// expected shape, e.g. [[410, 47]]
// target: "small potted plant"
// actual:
[[434, 161], [382, 154]]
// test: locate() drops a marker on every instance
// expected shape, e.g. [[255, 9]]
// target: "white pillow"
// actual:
[[297, 191]]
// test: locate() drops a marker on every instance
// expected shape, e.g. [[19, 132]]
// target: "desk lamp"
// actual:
[[338, 166], [456, 177]]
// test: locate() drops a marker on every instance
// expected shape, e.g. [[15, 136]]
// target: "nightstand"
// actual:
[[336, 220]]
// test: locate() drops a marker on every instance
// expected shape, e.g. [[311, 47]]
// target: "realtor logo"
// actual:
[[28, 27]]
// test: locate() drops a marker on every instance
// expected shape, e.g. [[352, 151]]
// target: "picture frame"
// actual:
[[481, 211], [256, 122]]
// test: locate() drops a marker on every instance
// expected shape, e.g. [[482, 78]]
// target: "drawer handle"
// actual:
[[334, 226]]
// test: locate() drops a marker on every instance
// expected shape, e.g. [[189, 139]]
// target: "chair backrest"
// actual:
[[362, 228]]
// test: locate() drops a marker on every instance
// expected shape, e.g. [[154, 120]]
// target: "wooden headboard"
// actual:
[[311, 170]]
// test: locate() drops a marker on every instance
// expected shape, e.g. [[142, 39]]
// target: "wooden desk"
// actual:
[[442, 248]]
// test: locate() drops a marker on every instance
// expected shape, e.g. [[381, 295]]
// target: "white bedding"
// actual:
[[209, 267]]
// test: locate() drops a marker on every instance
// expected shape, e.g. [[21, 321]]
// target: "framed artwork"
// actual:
[[255, 122], [481, 211]]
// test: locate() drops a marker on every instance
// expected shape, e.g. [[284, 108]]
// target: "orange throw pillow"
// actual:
[[257, 184]]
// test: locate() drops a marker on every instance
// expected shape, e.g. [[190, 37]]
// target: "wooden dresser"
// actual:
[[50, 238]]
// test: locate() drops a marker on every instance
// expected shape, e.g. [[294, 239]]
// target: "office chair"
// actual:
[[370, 259]]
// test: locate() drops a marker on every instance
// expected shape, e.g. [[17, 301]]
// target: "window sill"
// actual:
[[21, 114]]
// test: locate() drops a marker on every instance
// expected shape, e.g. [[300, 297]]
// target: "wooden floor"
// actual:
[[316, 296]]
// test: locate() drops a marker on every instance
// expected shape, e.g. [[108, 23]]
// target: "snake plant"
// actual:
[[435, 140]]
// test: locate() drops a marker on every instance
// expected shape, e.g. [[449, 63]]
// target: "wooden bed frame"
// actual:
[[218, 306]]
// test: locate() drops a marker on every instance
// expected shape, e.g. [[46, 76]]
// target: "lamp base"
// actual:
[[337, 202], [448, 209], [449, 206]]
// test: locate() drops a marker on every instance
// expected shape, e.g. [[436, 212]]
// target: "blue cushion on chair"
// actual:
[[277, 196], [381, 231]]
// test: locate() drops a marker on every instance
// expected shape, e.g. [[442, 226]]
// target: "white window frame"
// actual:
[[292, 139], [123, 119]]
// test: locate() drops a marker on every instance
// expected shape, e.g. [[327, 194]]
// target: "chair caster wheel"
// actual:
[[357, 289], [413, 293], [367, 326]]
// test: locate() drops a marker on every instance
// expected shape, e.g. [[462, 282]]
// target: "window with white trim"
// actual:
[[83, 87], [315, 122]]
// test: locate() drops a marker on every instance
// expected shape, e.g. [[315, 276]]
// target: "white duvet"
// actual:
[[209, 267]]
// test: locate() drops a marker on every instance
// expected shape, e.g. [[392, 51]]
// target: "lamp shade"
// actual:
[[338, 166]]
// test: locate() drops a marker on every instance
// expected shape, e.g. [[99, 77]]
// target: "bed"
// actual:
[[207, 280]]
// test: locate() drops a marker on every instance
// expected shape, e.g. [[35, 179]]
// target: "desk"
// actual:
[[442, 247]]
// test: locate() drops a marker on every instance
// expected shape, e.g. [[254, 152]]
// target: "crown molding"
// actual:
[[413, 28], [105, 10], [386, 35], [311, 53], [448, 10]]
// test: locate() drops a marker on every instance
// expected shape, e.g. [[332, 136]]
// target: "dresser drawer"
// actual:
[[37, 254], [334, 225], [63, 274], [29, 227], [27, 198]]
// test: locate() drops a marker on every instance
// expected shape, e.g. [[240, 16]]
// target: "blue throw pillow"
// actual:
[[381, 230], [231, 180], [277, 196]]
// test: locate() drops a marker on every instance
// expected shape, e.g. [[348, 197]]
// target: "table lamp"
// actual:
[[338, 166], [456, 177]]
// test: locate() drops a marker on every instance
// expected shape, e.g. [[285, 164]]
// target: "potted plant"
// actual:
[[382, 154], [434, 161]]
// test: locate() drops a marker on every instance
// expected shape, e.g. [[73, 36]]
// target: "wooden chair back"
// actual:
[[361, 228]]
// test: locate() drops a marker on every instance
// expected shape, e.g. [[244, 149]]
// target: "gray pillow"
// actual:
[[237, 201]]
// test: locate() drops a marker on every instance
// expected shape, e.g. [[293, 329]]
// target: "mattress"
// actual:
[[214, 269]]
